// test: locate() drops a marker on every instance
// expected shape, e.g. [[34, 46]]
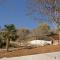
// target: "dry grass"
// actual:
[[22, 52]]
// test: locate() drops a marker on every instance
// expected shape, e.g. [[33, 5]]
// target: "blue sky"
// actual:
[[14, 12]]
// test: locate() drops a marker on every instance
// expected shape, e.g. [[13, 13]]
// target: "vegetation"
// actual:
[[49, 8], [42, 29], [45, 28], [7, 34], [22, 33], [10, 34]]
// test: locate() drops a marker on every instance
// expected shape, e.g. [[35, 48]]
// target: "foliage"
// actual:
[[10, 34], [7, 34], [42, 29], [22, 33], [45, 29]]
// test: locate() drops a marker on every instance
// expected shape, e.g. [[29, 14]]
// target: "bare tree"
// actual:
[[50, 8]]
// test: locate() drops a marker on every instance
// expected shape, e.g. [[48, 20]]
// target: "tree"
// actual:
[[42, 29], [9, 34], [45, 29], [1, 40], [22, 33], [51, 8]]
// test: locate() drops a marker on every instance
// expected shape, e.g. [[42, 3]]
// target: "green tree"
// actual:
[[1, 40], [9, 34]]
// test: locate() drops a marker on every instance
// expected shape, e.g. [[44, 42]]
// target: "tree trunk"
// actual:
[[7, 45]]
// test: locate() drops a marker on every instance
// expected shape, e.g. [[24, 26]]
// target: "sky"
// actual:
[[14, 12]]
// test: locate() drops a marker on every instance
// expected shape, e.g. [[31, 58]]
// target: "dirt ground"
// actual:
[[23, 52]]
